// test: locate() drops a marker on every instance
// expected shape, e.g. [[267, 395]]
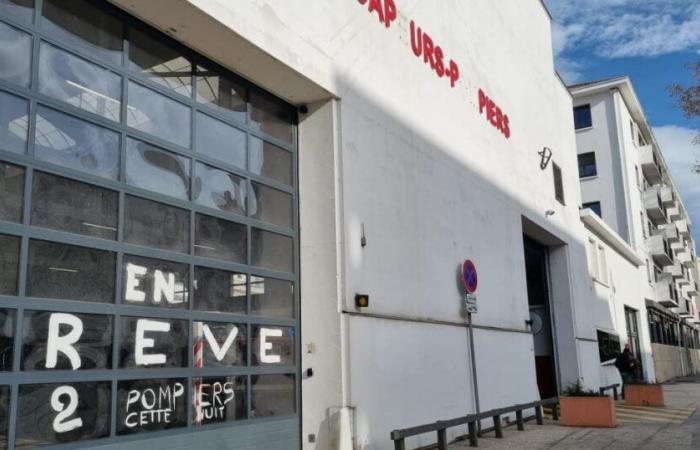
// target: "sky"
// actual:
[[651, 41]]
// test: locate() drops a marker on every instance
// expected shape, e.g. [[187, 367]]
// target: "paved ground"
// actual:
[[677, 426]]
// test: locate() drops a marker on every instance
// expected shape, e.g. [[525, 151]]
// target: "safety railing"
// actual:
[[613, 387], [441, 426]]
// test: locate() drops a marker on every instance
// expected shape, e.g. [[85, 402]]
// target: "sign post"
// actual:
[[470, 280]]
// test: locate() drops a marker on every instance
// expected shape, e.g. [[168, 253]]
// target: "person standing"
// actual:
[[627, 364]]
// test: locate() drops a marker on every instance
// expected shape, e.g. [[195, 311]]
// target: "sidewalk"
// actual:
[[675, 427]]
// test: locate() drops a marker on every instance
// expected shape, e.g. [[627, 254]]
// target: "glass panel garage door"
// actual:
[[148, 240]]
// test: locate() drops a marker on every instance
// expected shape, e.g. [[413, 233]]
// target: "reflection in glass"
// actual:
[[218, 399], [272, 395], [9, 264], [11, 192], [74, 143], [68, 205], [15, 55], [160, 62], [219, 290], [271, 297], [272, 345], [94, 347], [272, 251], [271, 116], [22, 10], [220, 141], [152, 168], [156, 225], [222, 92], [217, 344], [7, 332], [70, 272], [36, 415], [79, 83], [271, 205], [154, 282], [83, 24], [14, 122], [220, 239], [270, 161], [219, 189], [134, 400], [158, 115], [169, 342]]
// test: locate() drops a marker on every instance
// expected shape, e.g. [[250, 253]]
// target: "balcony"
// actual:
[[660, 249], [675, 270], [683, 229], [665, 292], [670, 232], [685, 258], [674, 211], [692, 290], [653, 205], [686, 309], [650, 164]]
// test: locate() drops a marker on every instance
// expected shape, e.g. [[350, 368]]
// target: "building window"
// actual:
[[602, 265], [595, 207], [608, 346], [558, 184], [582, 117], [586, 165], [148, 236]]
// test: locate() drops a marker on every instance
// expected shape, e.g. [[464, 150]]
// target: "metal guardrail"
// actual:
[[614, 387], [441, 426]]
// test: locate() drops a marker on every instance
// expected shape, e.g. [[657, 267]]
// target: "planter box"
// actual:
[[644, 395], [588, 412]]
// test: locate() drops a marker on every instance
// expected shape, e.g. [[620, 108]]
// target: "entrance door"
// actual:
[[538, 300], [633, 338]]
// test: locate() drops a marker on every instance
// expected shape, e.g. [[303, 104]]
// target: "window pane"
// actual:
[[219, 399], [220, 239], [218, 344], [93, 349], [150, 405], [582, 117], [219, 189], [156, 225], [270, 161], [11, 192], [15, 55], [7, 332], [67, 205], [272, 251], [219, 290], [158, 115], [158, 61], [4, 414], [220, 141], [153, 342], [71, 142], [9, 264], [38, 422], [81, 23], [22, 10], [79, 83], [154, 282], [271, 205], [70, 272], [272, 117], [14, 122], [272, 345], [222, 92], [151, 168], [272, 395], [271, 297]]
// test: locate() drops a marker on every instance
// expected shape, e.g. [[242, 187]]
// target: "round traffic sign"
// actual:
[[469, 276]]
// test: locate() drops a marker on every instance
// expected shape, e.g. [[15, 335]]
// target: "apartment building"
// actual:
[[626, 182]]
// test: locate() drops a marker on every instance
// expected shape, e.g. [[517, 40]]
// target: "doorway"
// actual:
[[633, 339], [538, 300]]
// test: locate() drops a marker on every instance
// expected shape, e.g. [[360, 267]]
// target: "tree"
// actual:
[[688, 98]]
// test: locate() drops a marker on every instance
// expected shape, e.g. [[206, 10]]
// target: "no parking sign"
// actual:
[[470, 280]]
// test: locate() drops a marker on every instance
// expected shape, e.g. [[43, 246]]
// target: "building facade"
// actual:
[[625, 181]]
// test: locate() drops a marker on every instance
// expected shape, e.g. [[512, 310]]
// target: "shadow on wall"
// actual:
[[420, 194]]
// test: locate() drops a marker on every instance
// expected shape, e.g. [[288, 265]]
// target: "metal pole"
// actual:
[[475, 383]]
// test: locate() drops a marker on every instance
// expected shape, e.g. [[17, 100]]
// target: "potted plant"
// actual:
[[584, 408], [641, 393]]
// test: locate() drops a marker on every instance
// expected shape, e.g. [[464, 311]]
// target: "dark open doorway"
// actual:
[[539, 303]]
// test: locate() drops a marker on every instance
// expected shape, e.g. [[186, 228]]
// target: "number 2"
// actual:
[[65, 411]]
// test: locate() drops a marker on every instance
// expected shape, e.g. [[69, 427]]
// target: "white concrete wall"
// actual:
[[431, 182]]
